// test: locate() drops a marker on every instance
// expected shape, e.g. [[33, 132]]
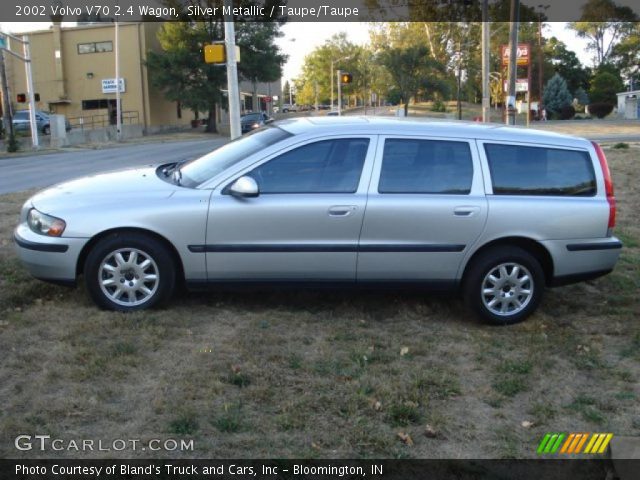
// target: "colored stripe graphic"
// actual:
[[582, 442], [572, 443]]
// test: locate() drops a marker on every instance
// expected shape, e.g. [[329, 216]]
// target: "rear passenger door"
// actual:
[[426, 206]]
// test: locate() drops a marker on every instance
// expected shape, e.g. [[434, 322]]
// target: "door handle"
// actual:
[[465, 211], [341, 210]]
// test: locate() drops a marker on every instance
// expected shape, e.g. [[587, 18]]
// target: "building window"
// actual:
[[98, 104], [95, 47]]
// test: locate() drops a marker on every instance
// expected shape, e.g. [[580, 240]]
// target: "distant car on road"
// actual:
[[251, 121], [287, 107], [22, 122]]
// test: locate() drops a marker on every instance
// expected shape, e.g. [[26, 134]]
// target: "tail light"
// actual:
[[608, 186]]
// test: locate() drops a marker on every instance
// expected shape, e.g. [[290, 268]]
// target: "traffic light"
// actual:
[[346, 78], [215, 53], [36, 97], [22, 98]]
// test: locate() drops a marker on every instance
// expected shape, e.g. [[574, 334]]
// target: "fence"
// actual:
[[89, 122]]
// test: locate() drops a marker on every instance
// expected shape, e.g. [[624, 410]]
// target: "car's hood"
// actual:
[[120, 186]]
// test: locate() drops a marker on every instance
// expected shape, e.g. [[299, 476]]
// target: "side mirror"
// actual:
[[245, 187]]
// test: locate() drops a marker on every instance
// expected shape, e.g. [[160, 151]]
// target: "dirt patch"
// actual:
[[322, 373]]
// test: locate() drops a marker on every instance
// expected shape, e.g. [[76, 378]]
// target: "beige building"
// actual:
[[74, 75]]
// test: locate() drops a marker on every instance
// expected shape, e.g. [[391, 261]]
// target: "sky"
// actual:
[[300, 38]]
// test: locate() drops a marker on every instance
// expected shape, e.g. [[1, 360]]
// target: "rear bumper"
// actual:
[[51, 259], [582, 259]]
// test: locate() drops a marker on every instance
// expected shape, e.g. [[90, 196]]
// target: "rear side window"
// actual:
[[521, 170], [426, 166], [328, 166]]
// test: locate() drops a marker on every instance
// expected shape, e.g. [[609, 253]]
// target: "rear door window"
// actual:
[[525, 170], [426, 166]]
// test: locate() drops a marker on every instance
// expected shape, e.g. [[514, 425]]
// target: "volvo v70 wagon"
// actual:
[[497, 213]]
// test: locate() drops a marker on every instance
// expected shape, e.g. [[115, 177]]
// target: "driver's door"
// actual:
[[305, 222]]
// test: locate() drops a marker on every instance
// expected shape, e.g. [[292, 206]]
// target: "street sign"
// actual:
[[522, 54], [268, 99], [522, 85], [109, 85]]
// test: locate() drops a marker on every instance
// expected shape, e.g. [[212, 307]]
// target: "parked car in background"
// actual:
[[494, 212], [287, 107], [251, 121], [22, 122]]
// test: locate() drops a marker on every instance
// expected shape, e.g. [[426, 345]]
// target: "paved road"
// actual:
[[22, 173]]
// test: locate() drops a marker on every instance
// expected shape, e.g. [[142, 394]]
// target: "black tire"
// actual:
[[133, 277], [46, 129], [510, 288]]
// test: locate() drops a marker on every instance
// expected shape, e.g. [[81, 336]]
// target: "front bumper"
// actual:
[[48, 258]]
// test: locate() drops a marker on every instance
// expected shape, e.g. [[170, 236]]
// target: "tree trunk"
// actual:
[[211, 124], [406, 108]]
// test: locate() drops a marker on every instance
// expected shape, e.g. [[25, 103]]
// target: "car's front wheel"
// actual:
[[46, 129], [129, 271], [504, 285]]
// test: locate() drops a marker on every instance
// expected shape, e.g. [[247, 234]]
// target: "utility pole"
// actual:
[[486, 101], [339, 94], [513, 67], [232, 72], [6, 103], [26, 58], [118, 100]]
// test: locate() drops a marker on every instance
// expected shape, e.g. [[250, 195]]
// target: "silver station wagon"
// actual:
[[497, 213]]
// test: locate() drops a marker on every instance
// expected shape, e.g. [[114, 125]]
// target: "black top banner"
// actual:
[[316, 10]]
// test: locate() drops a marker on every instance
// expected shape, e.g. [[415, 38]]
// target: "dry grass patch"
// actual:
[[323, 373]]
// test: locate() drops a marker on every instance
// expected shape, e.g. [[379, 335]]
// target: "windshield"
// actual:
[[251, 117], [201, 169]]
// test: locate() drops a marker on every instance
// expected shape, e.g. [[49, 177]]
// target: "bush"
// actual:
[[600, 109], [604, 88], [621, 146], [567, 112], [438, 106]]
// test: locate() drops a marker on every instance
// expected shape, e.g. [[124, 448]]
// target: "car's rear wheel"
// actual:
[[46, 129], [129, 271], [504, 285]]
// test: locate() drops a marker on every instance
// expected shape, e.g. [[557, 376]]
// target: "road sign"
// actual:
[[268, 99]]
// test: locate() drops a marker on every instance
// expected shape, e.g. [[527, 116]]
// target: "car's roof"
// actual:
[[433, 128]]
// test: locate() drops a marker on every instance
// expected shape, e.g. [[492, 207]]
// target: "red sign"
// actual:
[[267, 99], [522, 54]]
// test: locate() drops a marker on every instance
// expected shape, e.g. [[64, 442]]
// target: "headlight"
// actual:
[[255, 125], [45, 224]]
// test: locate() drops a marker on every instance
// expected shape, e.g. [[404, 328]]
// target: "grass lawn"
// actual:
[[322, 373]]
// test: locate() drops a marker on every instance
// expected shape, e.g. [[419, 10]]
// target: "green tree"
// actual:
[[566, 64], [626, 54], [411, 70], [604, 86], [179, 69], [602, 36], [260, 58], [180, 72], [556, 95]]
